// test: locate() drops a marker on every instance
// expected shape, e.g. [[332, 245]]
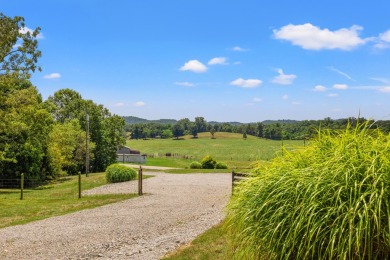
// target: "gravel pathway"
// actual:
[[175, 209]]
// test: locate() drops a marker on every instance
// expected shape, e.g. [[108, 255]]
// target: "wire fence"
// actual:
[[23, 188], [27, 188]]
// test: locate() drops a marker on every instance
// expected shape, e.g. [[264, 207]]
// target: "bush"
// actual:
[[119, 173], [330, 200], [208, 162], [195, 165], [221, 165]]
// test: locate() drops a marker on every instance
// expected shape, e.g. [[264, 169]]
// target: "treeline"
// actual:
[[274, 130], [47, 139]]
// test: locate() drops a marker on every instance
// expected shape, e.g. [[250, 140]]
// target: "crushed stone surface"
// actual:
[[174, 210]]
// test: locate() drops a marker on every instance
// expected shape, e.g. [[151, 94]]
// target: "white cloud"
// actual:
[[194, 66], [237, 62], [285, 97], [341, 73], [283, 79], [238, 48], [383, 40], [333, 95], [383, 80], [218, 60], [246, 83], [311, 37], [296, 103], [256, 99], [340, 86], [52, 76], [319, 88], [25, 30], [139, 104], [385, 89], [185, 84], [120, 104]]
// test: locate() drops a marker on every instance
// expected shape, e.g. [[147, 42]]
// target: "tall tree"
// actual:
[[18, 46]]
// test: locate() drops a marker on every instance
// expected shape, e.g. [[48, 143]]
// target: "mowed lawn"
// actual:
[[230, 148]]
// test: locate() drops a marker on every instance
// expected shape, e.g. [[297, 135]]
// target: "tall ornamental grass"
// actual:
[[330, 200]]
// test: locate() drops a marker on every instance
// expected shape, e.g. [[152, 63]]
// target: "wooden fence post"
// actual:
[[79, 184], [21, 186], [140, 181]]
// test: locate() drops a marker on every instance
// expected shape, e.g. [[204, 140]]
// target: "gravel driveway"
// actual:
[[175, 209]]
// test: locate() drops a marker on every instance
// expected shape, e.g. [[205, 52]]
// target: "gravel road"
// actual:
[[175, 209]]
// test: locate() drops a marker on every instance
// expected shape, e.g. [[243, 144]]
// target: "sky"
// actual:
[[245, 61]]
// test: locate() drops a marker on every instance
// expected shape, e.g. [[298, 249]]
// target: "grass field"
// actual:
[[52, 200], [229, 148]]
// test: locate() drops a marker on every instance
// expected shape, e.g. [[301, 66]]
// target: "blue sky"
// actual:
[[244, 61]]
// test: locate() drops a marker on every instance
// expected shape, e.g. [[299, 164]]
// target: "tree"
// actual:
[[67, 148], [18, 46], [177, 131], [201, 124], [24, 129], [259, 129]]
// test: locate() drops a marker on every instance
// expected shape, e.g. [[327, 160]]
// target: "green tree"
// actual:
[[67, 148], [24, 129], [18, 46], [177, 130], [201, 124]]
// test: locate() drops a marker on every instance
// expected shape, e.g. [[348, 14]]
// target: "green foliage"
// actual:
[[119, 173], [21, 58], [221, 165], [195, 165], [24, 128], [330, 200], [208, 162]]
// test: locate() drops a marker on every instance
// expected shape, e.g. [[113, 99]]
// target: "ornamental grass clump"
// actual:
[[330, 200], [119, 173]]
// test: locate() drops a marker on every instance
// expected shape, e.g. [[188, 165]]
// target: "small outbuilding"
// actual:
[[126, 154]]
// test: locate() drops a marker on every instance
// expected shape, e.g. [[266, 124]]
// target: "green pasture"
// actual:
[[54, 199], [230, 148]]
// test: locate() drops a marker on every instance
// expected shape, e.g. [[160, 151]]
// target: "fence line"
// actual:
[[21, 187], [237, 177]]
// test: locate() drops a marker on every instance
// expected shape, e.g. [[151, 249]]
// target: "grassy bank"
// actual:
[[53, 199]]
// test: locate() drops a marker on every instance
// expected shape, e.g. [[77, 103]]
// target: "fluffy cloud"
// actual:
[[333, 95], [283, 79], [139, 104], [296, 103], [119, 104], [52, 76], [311, 37], [218, 60], [340, 86], [237, 48], [194, 66], [246, 83], [256, 99], [319, 88], [285, 97], [25, 30], [383, 40], [185, 84]]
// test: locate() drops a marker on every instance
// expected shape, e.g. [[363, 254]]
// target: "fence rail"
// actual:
[[24, 187], [237, 177]]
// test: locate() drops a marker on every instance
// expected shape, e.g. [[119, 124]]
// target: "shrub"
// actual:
[[330, 200], [208, 162], [195, 165], [221, 165], [119, 173]]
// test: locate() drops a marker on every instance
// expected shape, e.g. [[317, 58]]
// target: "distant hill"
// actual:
[[137, 120]]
